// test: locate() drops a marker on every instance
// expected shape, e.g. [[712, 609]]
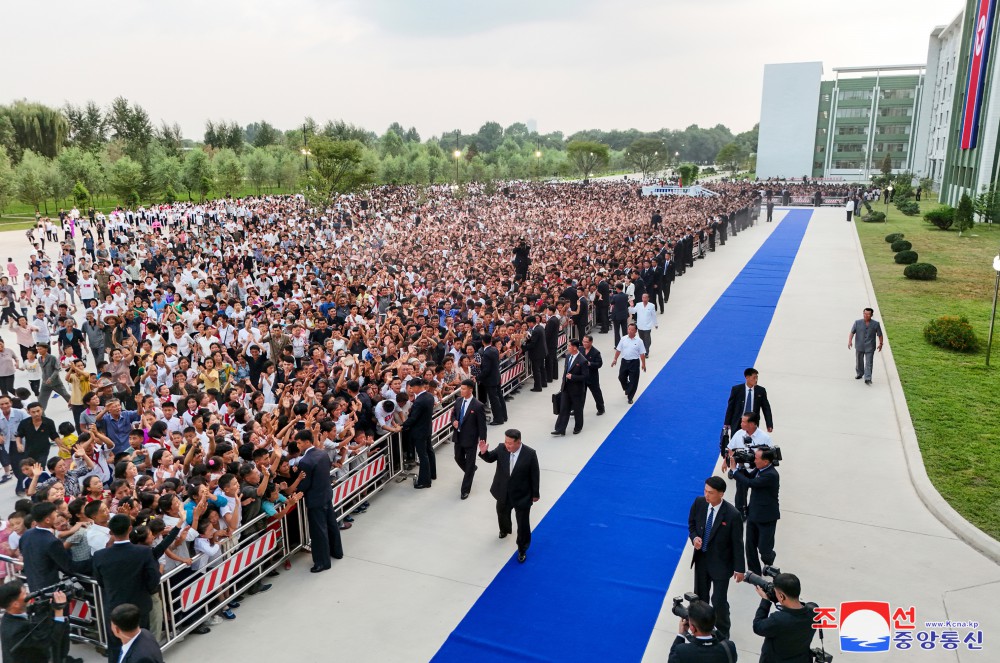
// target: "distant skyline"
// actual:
[[441, 65]]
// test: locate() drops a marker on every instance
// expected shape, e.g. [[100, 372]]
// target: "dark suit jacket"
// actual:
[[575, 382], [737, 401], [127, 573], [489, 369], [683, 651], [473, 425], [725, 542], [37, 647], [594, 363], [420, 422], [144, 649], [604, 288], [534, 345], [787, 633], [316, 487], [763, 484], [552, 326], [517, 488], [619, 306], [44, 557]]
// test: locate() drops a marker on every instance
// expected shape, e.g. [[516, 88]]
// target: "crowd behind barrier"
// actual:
[[344, 319]]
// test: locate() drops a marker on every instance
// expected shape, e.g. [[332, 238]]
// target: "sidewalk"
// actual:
[[852, 527]]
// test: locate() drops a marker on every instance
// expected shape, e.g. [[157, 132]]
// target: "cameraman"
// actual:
[[25, 641], [749, 436], [702, 646], [789, 631], [763, 512]]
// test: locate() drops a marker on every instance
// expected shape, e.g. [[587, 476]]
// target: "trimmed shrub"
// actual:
[[942, 217], [874, 217], [894, 237], [906, 257], [908, 207], [952, 333], [901, 245], [920, 271]]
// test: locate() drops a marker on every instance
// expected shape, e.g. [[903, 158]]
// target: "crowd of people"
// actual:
[[201, 348]]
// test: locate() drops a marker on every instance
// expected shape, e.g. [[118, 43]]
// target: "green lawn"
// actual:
[[954, 399]]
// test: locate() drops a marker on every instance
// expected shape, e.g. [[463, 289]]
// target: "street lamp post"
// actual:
[[538, 156], [996, 289], [457, 155], [305, 147]]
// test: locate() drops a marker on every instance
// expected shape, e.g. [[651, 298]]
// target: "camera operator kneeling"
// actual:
[[788, 632], [36, 638], [700, 646]]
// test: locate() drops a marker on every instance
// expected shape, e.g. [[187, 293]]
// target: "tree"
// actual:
[[88, 129], [198, 175], [262, 134], [587, 156], [125, 179], [166, 173], [731, 156], [36, 127], [259, 164], [80, 194], [228, 171], [489, 137], [963, 215], [79, 165], [286, 167], [130, 125], [29, 177], [58, 185], [8, 183], [886, 166], [987, 203], [391, 144], [171, 138], [340, 166], [688, 173], [647, 155]]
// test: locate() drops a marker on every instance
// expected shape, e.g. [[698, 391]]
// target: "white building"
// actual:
[[939, 92], [788, 109]]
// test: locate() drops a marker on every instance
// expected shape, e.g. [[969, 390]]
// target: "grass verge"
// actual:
[[953, 398]]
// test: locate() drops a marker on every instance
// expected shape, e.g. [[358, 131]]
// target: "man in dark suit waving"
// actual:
[[127, 573], [763, 512], [574, 389], [318, 492], [420, 425], [744, 398], [139, 644], [468, 420], [534, 347], [716, 532], [515, 486]]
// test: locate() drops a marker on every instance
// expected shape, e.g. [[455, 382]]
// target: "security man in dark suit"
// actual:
[[695, 642], [659, 277], [26, 642], [142, 645], [127, 573], [594, 363], [468, 421], [419, 425], [574, 389], [317, 490], [534, 347], [602, 303], [762, 512], [515, 486], [787, 633], [552, 326], [638, 286], [770, 209], [43, 554], [716, 532], [619, 312], [650, 281], [737, 405], [679, 260], [489, 378]]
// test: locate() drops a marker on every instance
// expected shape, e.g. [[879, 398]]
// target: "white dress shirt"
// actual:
[[631, 348], [645, 315]]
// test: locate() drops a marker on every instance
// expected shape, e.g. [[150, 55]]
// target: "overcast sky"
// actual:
[[445, 64]]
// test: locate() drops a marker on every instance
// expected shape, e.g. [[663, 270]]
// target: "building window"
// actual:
[[896, 112], [846, 95], [906, 93], [850, 147], [851, 112], [896, 129], [852, 131], [820, 149], [847, 164]]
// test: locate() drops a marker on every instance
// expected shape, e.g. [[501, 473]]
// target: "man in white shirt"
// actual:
[[632, 352], [98, 533], [748, 437], [645, 320]]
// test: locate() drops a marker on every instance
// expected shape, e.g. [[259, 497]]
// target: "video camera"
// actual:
[[762, 582], [679, 608], [747, 455], [41, 599]]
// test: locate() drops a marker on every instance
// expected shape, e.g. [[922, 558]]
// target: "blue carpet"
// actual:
[[602, 559]]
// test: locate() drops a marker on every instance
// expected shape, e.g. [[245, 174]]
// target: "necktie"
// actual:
[[749, 403], [708, 529], [461, 415], [569, 363]]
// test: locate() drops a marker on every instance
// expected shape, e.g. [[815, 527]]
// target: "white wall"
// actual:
[[788, 109], [934, 123]]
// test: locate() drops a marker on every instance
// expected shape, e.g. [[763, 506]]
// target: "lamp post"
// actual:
[[538, 157], [996, 289], [457, 155], [305, 147], [887, 199]]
